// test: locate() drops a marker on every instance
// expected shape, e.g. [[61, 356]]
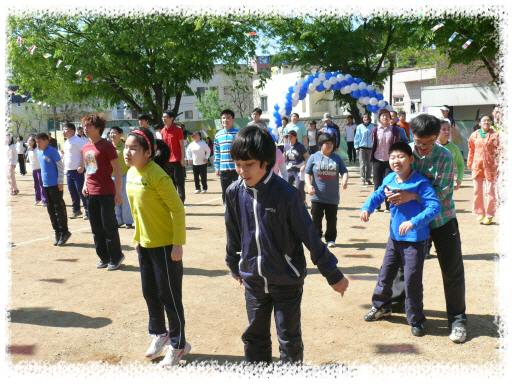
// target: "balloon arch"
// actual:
[[320, 82]]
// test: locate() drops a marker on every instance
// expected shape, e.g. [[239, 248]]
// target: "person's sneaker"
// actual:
[[386, 211], [458, 334], [363, 183], [44, 204], [57, 239], [76, 215], [129, 226], [102, 264], [487, 220], [377, 313], [174, 356], [480, 218], [113, 267], [120, 225], [418, 330], [86, 215], [331, 244], [197, 191], [369, 182], [37, 202], [203, 191], [64, 238], [157, 345]]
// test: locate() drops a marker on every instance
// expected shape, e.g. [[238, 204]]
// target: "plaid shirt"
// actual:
[[437, 166], [384, 141]]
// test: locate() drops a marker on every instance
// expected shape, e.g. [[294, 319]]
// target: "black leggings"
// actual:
[[380, 170]]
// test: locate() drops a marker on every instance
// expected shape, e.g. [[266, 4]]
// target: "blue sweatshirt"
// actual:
[[419, 214]]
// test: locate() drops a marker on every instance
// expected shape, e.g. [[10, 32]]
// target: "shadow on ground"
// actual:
[[53, 318]]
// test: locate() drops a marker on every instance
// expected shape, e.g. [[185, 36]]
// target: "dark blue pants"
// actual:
[[313, 149], [446, 238], [226, 178], [75, 186], [256, 338], [412, 256], [162, 286], [351, 151], [331, 216], [380, 170], [56, 208], [102, 217], [294, 176], [178, 178]]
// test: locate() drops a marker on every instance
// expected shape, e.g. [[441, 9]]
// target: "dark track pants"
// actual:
[[200, 171], [380, 170], [178, 178], [226, 178], [56, 208], [162, 289], [331, 216], [256, 338]]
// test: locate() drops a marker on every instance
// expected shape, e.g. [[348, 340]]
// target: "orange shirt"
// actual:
[[405, 126], [484, 154]]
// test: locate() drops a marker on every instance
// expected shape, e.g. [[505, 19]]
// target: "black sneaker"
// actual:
[[377, 313], [418, 330], [57, 239], [64, 238], [102, 264], [76, 215], [369, 182], [86, 216], [129, 226], [113, 267]]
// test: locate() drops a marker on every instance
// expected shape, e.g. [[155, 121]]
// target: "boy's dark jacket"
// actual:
[[269, 223]]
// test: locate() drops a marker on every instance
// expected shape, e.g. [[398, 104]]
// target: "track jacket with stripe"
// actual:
[[266, 227]]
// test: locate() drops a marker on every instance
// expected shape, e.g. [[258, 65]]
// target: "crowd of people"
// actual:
[[264, 180]]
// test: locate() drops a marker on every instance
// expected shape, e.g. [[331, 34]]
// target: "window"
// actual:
[[200, 91], [398, 100], [189, 115], [263, 104], [214, 88]]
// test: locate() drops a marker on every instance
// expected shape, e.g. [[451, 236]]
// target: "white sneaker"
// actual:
[[203, 191], [197, 191], [458, 334], [157, 345], [174, 356], [331, 244]]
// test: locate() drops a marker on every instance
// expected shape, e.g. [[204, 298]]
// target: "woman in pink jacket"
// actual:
[[483, 161]]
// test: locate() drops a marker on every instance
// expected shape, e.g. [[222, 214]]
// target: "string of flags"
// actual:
[[454, 35]]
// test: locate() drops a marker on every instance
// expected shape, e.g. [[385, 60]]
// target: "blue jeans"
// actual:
[[75, 184], [123, 211], [103, 221]]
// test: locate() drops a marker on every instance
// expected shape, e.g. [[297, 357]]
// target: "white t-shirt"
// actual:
[[20, 148], [12, 155], [350, 132], [33, 159], [158, 135], [198, 152], [73, 152]]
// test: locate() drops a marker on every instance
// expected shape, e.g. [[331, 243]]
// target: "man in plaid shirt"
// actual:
[[436, 163]]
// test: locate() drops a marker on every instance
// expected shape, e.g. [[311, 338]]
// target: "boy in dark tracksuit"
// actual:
[[266, 226]]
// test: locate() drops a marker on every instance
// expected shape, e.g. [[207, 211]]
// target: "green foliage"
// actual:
[[209, 105]]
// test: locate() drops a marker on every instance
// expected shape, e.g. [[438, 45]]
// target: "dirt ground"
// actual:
[[63, 309]]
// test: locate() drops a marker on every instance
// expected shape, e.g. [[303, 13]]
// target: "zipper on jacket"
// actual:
[[256, 219], [289, 261]]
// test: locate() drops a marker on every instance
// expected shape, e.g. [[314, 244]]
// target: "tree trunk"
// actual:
[[55, 120]]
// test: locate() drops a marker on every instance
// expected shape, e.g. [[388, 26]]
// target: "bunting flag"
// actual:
[[19, 40], [79, 73], [39, 102], [88, 78], [67, 67], [437, 27], [47, 55], [59, 63], [466, 44], [235, 22], [481, 49], [95, 81], [251, 33], [452, 37], [264, 41], [32, 49]]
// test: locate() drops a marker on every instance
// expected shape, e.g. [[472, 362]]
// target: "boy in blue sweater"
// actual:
[[52, 173], [266, 226], [408, 233]]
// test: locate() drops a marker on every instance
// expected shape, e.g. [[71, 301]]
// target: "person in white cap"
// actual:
[[455, 137], [198, 153], [333, 129]]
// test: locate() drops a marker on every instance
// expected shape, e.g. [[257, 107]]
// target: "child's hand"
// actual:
[[365, 216], [311, 191], [137, 247], [341, 286], [239, 279], [177, 252], [457, 185], [303, 168], [405, 227], [85, 192], [400, 197], [60, 186], [118, 199], [343, 185]]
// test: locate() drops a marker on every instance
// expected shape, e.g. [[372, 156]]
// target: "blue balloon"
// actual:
[[288, 103], [369, 108], [375, 108], [372, 93], [386, 103], [305, 85], [311, 78], [380, 97], [328, 75], [350, 81], [336, 73], [277, 107], [290, 89], [317, 74], [351, 93], [336, 87], [364, 92], [359, 80], [320, 88], [343, 83], [288, 110], [302, 96], [276, 115], [357, 94], [279, 123], [288, 96]]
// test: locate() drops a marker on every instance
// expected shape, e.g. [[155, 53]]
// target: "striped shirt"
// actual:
[[384, 141], [222, 145], [437, 166]]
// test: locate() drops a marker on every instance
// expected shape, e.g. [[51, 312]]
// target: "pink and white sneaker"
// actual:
[[174, 356], [157, 345]]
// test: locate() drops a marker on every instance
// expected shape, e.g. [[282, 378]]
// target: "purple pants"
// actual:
[[38, 186]]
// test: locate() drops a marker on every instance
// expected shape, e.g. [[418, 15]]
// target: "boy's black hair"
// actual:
[[145, 116], [118, 129], [142, 141], [42, 136], [425, 125], [11, 139], [350, 117], [70, 126], [295, 113], [400, 147], [402, 113], [257, 110], [255, 143], [228, 112], [484, 115], [21, 137], [171, 114], [162, 155], [324, 138], [285, 118]]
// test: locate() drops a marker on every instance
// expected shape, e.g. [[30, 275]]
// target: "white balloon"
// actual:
[[354, 87], [340, 77], [348, 76], [311, 90], [369, 87], [347, 89], [389, 107], [361, 99], [333, 80], [273, 125], [362, 85], [300, 82], [374, 101], [295, 102], [312, 86], [296, 88], [321, 76], [282, 111], [381, 103], [327, 84], [366, 100], [281, 104], [274, 131], [295, 96], [316, 82]]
